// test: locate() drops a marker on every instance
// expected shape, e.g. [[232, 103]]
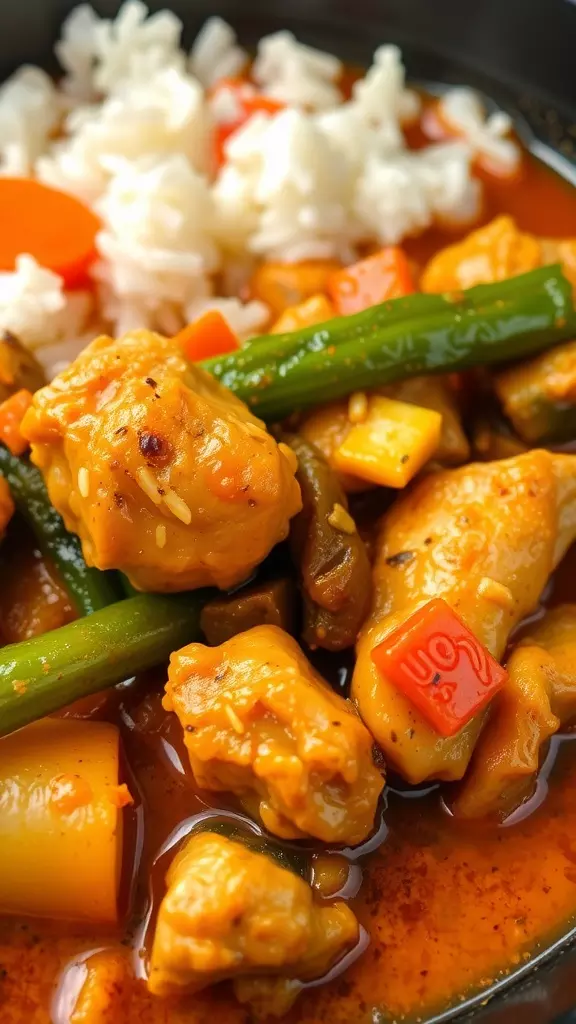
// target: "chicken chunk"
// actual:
[[539, 395], [328, 426], [493, 253], [161, 472], [260, 722], [485, 538], [230, 911], [6, 506], [538, 698]]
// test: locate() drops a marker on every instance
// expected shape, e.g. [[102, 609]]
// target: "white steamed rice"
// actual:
[[128, 130]]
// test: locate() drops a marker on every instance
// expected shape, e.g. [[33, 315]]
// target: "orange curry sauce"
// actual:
[[448, 907]]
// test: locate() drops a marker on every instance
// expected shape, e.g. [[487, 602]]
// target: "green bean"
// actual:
[[41, 675], [89, 589], [489, 323]]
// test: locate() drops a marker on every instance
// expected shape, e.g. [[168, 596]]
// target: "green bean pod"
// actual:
[[48, 672], [88, 588], [417, 334]]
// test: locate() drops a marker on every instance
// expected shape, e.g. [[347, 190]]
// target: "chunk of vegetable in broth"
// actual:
[[384, 275], [55, 228], [207, 337], [402, 338], [61, 830], [392, 443], [315, 310], [12, 413], [329, 553], [439, 665]]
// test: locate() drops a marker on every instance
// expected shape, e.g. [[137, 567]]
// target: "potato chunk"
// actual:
[[328, 426], [161, 472], [230, 911], [260, 722]]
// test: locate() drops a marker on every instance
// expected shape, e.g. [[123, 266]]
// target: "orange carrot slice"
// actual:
[[11, 415], [206, 337], [55, 228]]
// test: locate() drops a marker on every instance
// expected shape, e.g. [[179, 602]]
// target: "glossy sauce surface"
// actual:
[[448, 907]]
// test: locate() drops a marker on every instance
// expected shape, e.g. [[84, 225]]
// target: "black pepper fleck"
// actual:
[[400, 559]]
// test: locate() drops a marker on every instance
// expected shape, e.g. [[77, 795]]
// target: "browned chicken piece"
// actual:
[[493, 253], [328, 426], [18, 367], [538, 698], [260, 722], [6, 506], [485, 538], [230, 911], [539, 395], [161, 472]]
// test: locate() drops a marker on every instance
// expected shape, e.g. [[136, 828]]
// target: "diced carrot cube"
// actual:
[[12, 412], [207, 337], [385, 275]]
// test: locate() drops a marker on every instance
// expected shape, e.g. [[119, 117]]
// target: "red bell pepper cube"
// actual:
[[440, 666]]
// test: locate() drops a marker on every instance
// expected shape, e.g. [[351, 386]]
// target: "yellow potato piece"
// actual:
[[315, 310], [392, 444], [60, 823]]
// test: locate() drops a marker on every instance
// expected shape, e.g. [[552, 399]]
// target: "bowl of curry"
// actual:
[[287, 513]]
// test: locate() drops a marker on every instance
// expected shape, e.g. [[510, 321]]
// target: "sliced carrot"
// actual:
[[55, 228], [11, 415], [385, 275], [206, 337]]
